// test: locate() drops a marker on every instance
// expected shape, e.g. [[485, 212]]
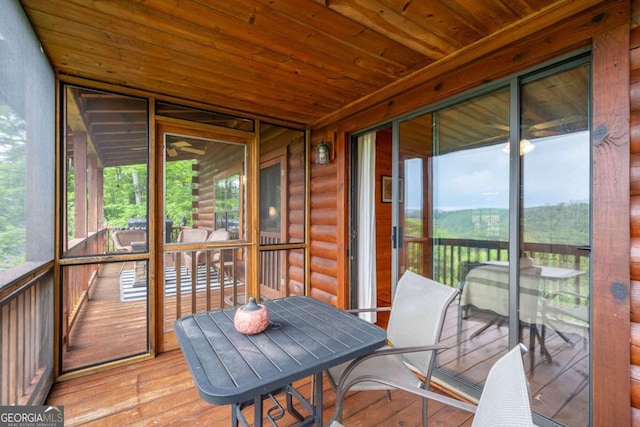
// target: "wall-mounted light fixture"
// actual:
[[323, 153]]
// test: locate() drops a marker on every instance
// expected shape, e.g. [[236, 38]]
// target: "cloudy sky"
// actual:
[[556, 171]]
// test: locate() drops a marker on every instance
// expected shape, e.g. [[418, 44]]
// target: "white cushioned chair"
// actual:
[[417, 316], [504, 401]]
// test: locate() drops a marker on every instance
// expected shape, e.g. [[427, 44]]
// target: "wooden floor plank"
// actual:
[[160, 392]]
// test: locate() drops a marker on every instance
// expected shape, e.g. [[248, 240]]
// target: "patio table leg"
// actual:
[[237, 417], [318, 398], [257, 411]]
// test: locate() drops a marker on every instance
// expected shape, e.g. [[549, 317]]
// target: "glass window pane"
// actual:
[[106, 167], [469, 184], [282, 185], [415, 153], [270, 198], [471, 210], [204, 188], [554, 211], [227, 204]]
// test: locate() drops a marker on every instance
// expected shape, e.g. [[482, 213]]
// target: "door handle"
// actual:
[[396, 237], [394, 230]]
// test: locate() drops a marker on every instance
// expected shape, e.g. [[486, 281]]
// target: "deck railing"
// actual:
[[77, 280], [26, 323], [271, 265], [451, 256]]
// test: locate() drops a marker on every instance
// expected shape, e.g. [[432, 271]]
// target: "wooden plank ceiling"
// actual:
[[292, 60]]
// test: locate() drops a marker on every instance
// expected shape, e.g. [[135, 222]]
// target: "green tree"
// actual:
[[12, 188], [178, 195], [125, 194]]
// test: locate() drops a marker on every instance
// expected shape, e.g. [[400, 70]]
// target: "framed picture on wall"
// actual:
[[386, 189]]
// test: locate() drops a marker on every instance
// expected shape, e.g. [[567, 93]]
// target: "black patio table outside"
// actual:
[[305, 337]]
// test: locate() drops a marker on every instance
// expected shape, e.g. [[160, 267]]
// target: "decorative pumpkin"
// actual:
[[251, 318]]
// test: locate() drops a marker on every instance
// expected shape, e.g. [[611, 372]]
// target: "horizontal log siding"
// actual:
[[210, 170], [324, 247], [295, 214], [634, 176]]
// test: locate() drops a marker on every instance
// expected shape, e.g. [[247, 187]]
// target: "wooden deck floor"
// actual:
[[161, 392], [108, 328]]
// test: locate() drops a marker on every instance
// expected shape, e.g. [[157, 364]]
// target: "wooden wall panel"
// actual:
[[634, 173], [635, 313], [383, 225], [634, 209], [635, 127], [323, 233], [610, 225]]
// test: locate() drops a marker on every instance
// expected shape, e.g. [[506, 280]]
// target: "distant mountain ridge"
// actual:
[[565, 223]]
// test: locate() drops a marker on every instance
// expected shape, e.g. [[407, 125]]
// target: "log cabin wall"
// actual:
[[296, 214], [327, 233], [205, 173], [602, 28]]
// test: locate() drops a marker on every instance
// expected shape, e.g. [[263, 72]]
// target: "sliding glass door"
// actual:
[[491, 194]]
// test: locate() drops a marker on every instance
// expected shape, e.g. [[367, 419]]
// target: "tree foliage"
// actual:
[[12, 188], [178, 187], [123, 197], [564, 223], [126, 193]]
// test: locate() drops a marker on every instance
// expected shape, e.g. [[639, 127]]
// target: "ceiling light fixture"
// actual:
[[525, 147]]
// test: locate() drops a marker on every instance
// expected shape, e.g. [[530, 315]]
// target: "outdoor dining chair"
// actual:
[[504, 401], [188, 235], [415, 324], [201, 256], [123, 239]]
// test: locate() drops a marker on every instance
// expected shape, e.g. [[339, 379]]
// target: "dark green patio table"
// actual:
[[305, 337]]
